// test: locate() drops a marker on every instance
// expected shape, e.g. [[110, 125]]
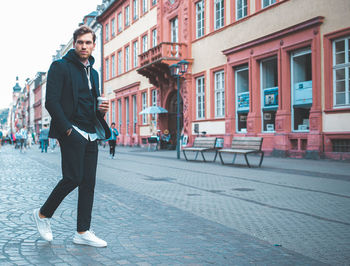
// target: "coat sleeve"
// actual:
[[54, 87]]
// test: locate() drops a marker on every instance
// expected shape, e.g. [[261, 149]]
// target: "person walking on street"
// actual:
[[44, 138], [1, 135], [77, 122], [113, 140], [24, 134]]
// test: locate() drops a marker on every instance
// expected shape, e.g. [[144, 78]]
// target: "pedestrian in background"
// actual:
[[1, 135], [17, 140], [77, 122], [44, 138], [52, 144], [24, 135], [113, 140]]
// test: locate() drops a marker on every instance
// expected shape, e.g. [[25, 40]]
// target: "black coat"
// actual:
[[64, 78]]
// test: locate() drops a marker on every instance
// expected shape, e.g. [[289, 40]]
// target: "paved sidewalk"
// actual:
[[155, 210]]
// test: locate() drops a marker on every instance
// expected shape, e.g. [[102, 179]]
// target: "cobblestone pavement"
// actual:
[[155, 210]]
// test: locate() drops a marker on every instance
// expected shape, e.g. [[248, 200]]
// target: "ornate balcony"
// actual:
[[154, 63]]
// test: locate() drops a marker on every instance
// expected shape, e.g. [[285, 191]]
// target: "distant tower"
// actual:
[[16, 91]]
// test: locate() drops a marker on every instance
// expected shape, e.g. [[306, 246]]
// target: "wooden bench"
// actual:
[[201, 145], [245, 146]]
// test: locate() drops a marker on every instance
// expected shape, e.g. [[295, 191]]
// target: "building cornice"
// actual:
[[295, 28]]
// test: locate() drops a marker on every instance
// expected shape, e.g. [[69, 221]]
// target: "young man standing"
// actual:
[[77, 122]]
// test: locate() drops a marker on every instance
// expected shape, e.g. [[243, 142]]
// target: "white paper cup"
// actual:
[[101, 100]]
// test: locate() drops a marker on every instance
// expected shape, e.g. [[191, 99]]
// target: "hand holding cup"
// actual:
[[103, 104]]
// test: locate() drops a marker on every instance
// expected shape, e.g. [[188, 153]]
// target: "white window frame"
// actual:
[[154, 94], [136, 9], [199, 18], [268, 3], [127, 113], [342, 66], [154, 38], [127, 58], [134, 104], [120, 22], [113, 27], [144, 106], [107, 32], [107, 68], [174, 30], [120, 115], [144, 43], [127, 16], [113, 112], [120, 62], [144, 6], [136, 53], [200, 97], [243, 9], [219, 14], [219, 91], [113, 66]]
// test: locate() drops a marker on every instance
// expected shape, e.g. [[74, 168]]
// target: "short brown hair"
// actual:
[[83, 30]]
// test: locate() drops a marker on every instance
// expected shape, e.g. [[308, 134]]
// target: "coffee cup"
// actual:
[[101, 99]]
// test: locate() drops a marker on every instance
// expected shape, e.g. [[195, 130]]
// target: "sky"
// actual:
[[32, 31]]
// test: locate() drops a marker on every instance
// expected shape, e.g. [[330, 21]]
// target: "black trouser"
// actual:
[[112, 144], [79, 161]]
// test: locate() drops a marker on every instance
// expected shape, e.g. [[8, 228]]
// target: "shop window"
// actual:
[[269, 92], [301, 77], [341, 145], [120, 117], [242, 98]]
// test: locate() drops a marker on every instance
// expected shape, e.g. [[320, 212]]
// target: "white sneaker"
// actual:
[[89, 238], [43, 225]]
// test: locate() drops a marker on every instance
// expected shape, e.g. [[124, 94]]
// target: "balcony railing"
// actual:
[[165, 50]]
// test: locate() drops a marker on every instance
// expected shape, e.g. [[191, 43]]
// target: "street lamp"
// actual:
[[177, 71]]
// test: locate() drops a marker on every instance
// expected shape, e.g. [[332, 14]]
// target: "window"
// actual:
[[127, 16], [144, 6], [144, 43], [154, 38], [127, 58], [266, 3], [301, 89], [144, 106], [218, 14], [269, 92], [341, 72], [242, 98], [174, 30], [119, 62], [113, 66], [113, 111], [241, 9], [136, 54], [200, 89], [113, 27], [136, 9], [120, 116], [120, 22], [107, 32], [107, 68], [154, 2], [127, 113], [199, 19], [154, 103], [219, 79], [134, 106]]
